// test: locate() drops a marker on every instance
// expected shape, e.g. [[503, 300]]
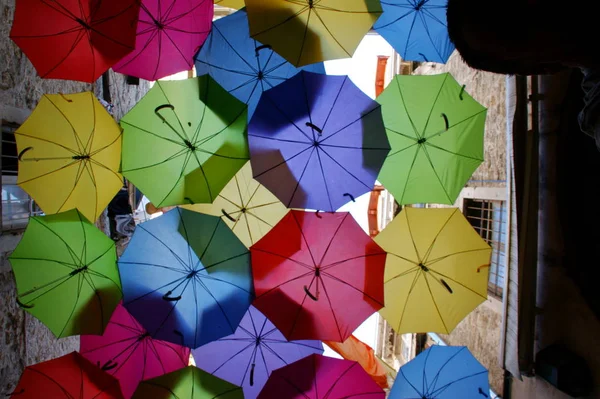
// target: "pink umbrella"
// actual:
[[128, 353], [169, 33]]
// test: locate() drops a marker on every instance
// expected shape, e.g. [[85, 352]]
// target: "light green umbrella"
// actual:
[[184, 140], [435, 129], [66, 274]]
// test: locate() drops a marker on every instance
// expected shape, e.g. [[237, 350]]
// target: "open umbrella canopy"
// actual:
[[74, 40], [235, 4], [66, 274], [436, 132], [184, 140], [436, 271], [169, 33], [248, 356], [186, 278], [317, 141], [69, 154], [130, 354], [442, 372], [317, 275], [320, 377], [243, 66], [306, 31], [416, 29]]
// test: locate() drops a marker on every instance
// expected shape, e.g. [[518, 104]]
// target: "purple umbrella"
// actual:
[[317, 141], [248, 356]]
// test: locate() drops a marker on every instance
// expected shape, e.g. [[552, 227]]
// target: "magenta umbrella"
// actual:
[[169, 33], [321, 377], [126, 351]]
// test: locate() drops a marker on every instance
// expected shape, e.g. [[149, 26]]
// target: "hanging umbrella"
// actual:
[[186, 278], [235, 4], [416, 29], [69, 154], [306, 32], [68, 40], [129, 353], [68, 376], [66, 274], [317, 275], [442, 372], [183, 141], [317, 141], [436, 271], [248, 356], [240, 64], [249, 209], [188, 383], [320, 377], [169, 33], [436, 132]]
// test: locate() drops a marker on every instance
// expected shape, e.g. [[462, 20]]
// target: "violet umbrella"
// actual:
[[248, 356]]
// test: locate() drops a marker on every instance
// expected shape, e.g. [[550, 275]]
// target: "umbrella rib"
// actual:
[[337, 96], [404, 273], [181, 262], [233, 356], [400, 134], [288, 19], [61, 9], [337, 380], [154, 265], [410, 31], [186, 161], [301, 304], [311, 268], [435, 303], [351, 123], [183, 57], [412, 286], [64, 391], [186, 237], [46, 141], [263, 205], [115, 174], [203, 285], [169, 20], [63, 32], [428, 252], [298, 183], [47, 260], [332, 237], [421, 394], [96, 151], [80, 145], [304, 239], [71, 251], [337, 325], [355, 148], [282, 140], [401, 150], [289, 120], [225, 260], [59, 281], [88, 168], [258, 217], [154, 134], [410, 11], [453, 153], [181, 152], [256, 334], [182, 136], [255, 72], [324, 181], [225, 282], [434, 103], [483, 111], [153, 291], [430, 262], [346, 170], [331, 265], [285, 282], [437, 374], [426, 27], [436, 173], [412, 165], [136, 53], [331, 276], [298, 343], [252, 75], [212, 235], [412, 123], [444, 387], [79, 286], [459, 283], [75, 44], [330, 33]]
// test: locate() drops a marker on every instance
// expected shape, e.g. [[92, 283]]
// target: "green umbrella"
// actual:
[[184, 140], [188, 383], [66, 274], [435, 130]]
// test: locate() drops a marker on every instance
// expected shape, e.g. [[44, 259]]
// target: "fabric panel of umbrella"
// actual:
[[66, 274], [317, 141], [69, 154], [74, 40], [436, 132], [184, 141], [235, 4], [317, 275], [186, 278], [169, 33], [248, 356], [307, 32], [436, 271]]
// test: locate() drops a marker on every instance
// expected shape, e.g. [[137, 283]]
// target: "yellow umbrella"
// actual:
[[246, 206], [309, 31], [69, 154], [235, 4], [436, 270]]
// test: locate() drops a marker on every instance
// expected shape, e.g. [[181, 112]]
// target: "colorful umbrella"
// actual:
[[66, 274], [183, 141], [248, 356], [436, 271], [317, 141], [317, 275], [186, 278], [235, 4], [68, 376], [442, 372], [69, 154], [305, 32], [129, 353], [320, 377], [169, 33], [240, 64], [70, 40], [416, 29], [436, 132], [248, 208]]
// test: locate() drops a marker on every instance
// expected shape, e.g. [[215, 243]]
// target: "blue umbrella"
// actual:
[[243, 66], [442, 372], [186, 278], [416, 29]]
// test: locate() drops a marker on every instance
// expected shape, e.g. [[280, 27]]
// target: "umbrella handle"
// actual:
[[109, 365], [350, 195], [446, 286], [15, 393], [446, 121], [425, 58], [22, 305], [262, 47], [228, 216], [170, 106], [462, 90], [20, 157], [252, 375], [481, 267], [483, 393], [320, 131], [169, 298], [190, 200], [314, 298]]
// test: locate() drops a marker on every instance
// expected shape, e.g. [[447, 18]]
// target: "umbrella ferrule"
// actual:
[[421, 140], [190, 145], [423, 267], [309, 124], [81, 269], [80, 157], [262, 47]]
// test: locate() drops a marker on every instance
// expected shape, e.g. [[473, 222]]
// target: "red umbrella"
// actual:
[[77, 40], [317, 275], [69, 376]]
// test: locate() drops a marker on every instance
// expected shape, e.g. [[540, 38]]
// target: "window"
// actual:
[[488, 218]]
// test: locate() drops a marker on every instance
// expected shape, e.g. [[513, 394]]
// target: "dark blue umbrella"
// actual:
[[186, 278], [243, 66], [416, 29], [442, 372], [317, 141]]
